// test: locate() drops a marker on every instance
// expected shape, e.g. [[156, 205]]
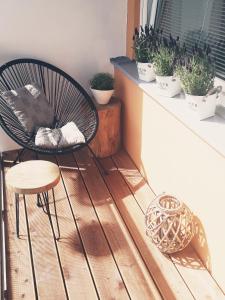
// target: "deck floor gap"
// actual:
[[109, 245], [78, 232], [89, 200], [124, 221]]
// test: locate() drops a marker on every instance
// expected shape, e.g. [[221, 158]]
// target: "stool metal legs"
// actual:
[[56, 216], [17, 215], [46, 206], [46, 209], [39, 202]]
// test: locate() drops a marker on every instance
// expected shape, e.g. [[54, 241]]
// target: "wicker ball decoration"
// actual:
[[169, 223]]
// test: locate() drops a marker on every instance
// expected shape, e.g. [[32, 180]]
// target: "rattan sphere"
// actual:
[[169, 223]]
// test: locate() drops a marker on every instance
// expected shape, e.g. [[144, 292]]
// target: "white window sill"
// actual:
[[211, 130]]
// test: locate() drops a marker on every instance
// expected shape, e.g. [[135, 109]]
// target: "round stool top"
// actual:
[[33, 177]]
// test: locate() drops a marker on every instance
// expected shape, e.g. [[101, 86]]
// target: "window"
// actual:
[[195, 21]]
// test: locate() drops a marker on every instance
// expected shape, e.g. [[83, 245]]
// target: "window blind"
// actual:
[[195, 21]]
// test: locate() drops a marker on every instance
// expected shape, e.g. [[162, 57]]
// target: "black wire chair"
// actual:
[[67, 98]]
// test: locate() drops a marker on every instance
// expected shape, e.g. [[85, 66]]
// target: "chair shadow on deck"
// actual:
[[79, 174], [96, 244]]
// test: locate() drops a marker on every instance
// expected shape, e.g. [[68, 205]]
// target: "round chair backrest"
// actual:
[[67, 98]]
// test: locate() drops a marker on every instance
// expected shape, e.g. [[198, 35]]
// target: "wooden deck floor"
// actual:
[[103, 252]]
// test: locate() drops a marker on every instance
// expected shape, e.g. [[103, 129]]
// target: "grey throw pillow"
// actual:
[[31, 107], [63, 137]]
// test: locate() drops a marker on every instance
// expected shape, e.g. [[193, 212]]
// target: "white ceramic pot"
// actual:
[[203, 106], [168, 86], [146, 71], [102, 97]]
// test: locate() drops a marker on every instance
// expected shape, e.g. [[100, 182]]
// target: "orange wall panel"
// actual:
[[133, 20]]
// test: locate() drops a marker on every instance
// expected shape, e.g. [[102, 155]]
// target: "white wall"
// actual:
[[78, 36]]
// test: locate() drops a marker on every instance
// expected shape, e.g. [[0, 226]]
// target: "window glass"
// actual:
[[195, 21], [148, 11]]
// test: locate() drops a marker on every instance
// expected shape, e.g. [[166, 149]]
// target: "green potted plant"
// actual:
[[144, 45], [197, 73], [102, 87], [165, 65]]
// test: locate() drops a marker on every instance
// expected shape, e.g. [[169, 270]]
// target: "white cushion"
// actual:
[[63, 137]]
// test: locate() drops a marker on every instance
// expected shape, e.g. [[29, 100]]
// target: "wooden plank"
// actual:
[[162, 269], [196, 276], [106, 275], [134, 272], [49, 278], [189, 265], [75, 267], [20, 280]]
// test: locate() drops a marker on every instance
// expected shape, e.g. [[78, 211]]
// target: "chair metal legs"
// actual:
[[21, 151]]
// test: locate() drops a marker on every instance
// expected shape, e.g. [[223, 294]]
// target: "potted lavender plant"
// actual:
[[197, 72], [144, 45], [165, 58]]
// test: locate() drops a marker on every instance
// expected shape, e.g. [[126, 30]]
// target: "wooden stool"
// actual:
[[34, 177], [107, 140]]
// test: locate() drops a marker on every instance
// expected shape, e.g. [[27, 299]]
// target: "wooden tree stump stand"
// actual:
[[107, 140]]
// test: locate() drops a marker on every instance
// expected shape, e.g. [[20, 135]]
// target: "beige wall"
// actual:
[[79, 36], [177, 161]]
